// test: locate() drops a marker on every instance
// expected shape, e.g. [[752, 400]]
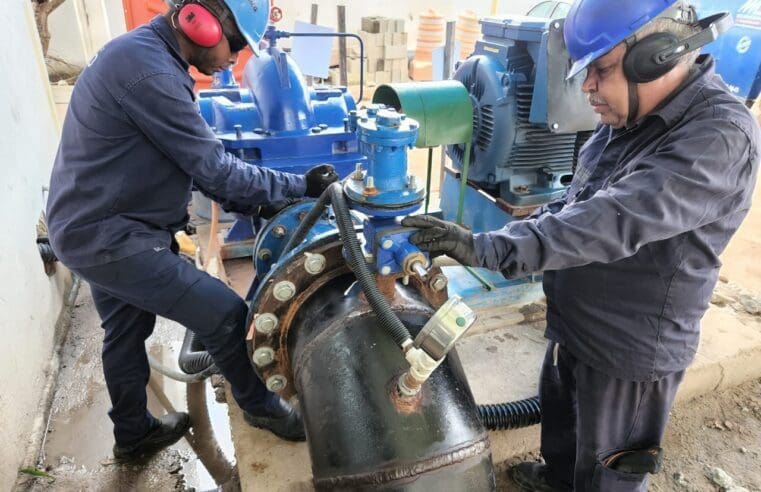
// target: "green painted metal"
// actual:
[[463, 183], [442, 108]]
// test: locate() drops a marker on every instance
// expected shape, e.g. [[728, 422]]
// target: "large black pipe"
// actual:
[[361, 434], [501, 416]]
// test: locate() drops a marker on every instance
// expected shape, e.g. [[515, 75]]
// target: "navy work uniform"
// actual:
[[631, 257], [133, 144]]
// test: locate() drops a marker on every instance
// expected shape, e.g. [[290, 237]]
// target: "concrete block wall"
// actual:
[[30, 301], [385, 41]]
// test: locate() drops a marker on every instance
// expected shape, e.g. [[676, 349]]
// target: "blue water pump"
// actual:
[[273, 119], [379, 193]]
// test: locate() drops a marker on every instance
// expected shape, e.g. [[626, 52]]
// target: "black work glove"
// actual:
[[319, 178], [439, 237], [272, 209]]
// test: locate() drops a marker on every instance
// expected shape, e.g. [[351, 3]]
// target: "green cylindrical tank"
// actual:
[[442, 108]]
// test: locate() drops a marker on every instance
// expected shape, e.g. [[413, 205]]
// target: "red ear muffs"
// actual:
[[200, 25]]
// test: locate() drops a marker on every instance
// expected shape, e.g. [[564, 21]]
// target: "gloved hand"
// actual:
[[319, 178], [272, 209], [440, 237]]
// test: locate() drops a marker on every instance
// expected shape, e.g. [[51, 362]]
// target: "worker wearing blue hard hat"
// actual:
[[133, 145], [630, 254]]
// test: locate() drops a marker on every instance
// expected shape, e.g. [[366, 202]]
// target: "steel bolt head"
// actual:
[[387, 244], [314, 263], [264, 356], [386, 270], [276, 382], [264, 254], [284, 291], [439, 282], [279, 231], [266, 323]]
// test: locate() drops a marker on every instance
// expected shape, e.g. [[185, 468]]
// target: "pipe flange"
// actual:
[[285, 289]]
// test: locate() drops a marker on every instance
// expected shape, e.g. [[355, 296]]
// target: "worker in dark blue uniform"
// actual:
[[631, 254], [133, 145]]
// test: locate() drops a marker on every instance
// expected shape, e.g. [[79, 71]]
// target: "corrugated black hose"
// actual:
[[511, 415], [194, 359], [309, 221], [388, 319]]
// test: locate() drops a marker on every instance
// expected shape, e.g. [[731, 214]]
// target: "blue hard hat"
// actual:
[[594, 27], [251, 17]]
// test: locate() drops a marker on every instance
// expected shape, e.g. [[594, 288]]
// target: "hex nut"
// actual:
[[279, 231], [264, 356], [439, 282], [264, 254], [276, 382], [314, 263], [266, 323], [284, 290]]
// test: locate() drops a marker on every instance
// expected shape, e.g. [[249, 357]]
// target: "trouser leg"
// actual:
[[225, 340], [558, 432], [615, 415], [158, 282], [125, 365]]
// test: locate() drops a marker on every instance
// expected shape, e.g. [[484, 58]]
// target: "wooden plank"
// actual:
[[342, 45]]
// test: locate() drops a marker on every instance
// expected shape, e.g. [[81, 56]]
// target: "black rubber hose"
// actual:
[[390, 322], [309, 221], [194, 359], [512, 415], [46, 252]]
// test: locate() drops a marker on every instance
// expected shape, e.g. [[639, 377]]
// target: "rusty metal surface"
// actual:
[[307, 285]]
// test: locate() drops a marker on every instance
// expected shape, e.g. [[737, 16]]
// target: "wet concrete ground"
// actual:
[[77, 450]]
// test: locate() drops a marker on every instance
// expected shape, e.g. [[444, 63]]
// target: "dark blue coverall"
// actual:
[[631, 257], [133, 144]]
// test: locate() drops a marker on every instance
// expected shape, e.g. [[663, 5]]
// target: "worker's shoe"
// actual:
[[279, 418], [171, 428], [533, 476]]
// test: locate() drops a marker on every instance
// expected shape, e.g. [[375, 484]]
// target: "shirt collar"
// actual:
[[161, 25], [676, 105]]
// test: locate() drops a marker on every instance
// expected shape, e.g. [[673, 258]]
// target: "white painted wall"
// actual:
[[30, 302]]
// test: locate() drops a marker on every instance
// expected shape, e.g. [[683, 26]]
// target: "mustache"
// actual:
[[596, 100]]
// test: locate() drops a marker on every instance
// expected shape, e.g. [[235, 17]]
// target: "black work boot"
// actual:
[[172, 427], [533, 476], [279, 418]]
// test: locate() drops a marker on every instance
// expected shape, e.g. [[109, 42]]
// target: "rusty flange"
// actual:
[[286, 289]]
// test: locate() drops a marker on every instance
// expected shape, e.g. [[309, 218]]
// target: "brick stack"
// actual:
[[385, 51]]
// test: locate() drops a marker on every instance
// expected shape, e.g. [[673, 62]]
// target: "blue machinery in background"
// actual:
[[737, 52], [522, 127]]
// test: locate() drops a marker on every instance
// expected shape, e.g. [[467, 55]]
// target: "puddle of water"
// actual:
[[176, 393], [82, 434]]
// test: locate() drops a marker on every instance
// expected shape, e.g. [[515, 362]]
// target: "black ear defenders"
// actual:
[[655, 55]]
